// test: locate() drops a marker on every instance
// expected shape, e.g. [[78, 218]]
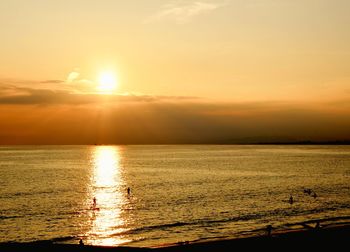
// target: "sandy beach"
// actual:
[[332, 237]]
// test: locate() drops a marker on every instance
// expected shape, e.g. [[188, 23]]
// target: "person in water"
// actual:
[[318, 226], [307, 191], [94, 202], [269, 229], [291, 200], [129, 190], [81, 243]]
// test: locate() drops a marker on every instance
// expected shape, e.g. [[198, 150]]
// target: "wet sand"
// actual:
[[335, 238]]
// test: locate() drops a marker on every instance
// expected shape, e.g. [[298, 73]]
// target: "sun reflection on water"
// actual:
[[108, 187]]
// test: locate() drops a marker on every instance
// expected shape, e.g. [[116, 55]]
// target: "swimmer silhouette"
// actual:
[[291, 200], [318, 226], [269, 229], [307, 191], [81, 243], [129, 190]]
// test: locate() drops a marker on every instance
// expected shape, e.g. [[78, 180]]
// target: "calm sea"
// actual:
[[177, 193]]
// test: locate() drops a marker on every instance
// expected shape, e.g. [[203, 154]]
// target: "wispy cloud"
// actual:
[[183, 12], [72, 76], [77, 83], [74, 82], [14, 95]]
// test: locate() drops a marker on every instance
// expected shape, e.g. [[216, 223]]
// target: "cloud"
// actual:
[[168, 122], [29, 82], [41, 116], [73, 83], [183, 13], [10, 94], [61, 116], [51, 81], [78, 84], [72, 76]]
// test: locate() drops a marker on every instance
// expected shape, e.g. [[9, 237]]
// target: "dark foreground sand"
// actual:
[[336, 238]]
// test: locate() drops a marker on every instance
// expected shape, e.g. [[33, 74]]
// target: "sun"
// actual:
[[107, 82]]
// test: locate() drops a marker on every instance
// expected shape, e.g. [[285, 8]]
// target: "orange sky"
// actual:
[[208, 71]]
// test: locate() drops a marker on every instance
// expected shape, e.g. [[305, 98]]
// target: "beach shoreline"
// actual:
[[332, 236]]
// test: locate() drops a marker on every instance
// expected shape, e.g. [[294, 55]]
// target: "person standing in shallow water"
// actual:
[[269, 229], [129, 190], [94, 202], [318, 226]]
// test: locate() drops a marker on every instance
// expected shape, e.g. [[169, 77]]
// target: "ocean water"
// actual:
[[178, 193]]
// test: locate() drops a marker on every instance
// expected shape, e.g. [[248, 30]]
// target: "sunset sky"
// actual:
[[161, 71]]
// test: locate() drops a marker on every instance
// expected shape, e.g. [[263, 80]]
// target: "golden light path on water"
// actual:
[[108, 187]]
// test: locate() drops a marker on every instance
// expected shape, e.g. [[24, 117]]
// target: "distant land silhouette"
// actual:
[[250, 142], [340, 142], [263, 141]]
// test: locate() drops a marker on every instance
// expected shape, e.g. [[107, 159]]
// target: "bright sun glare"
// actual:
[[107, 82]]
